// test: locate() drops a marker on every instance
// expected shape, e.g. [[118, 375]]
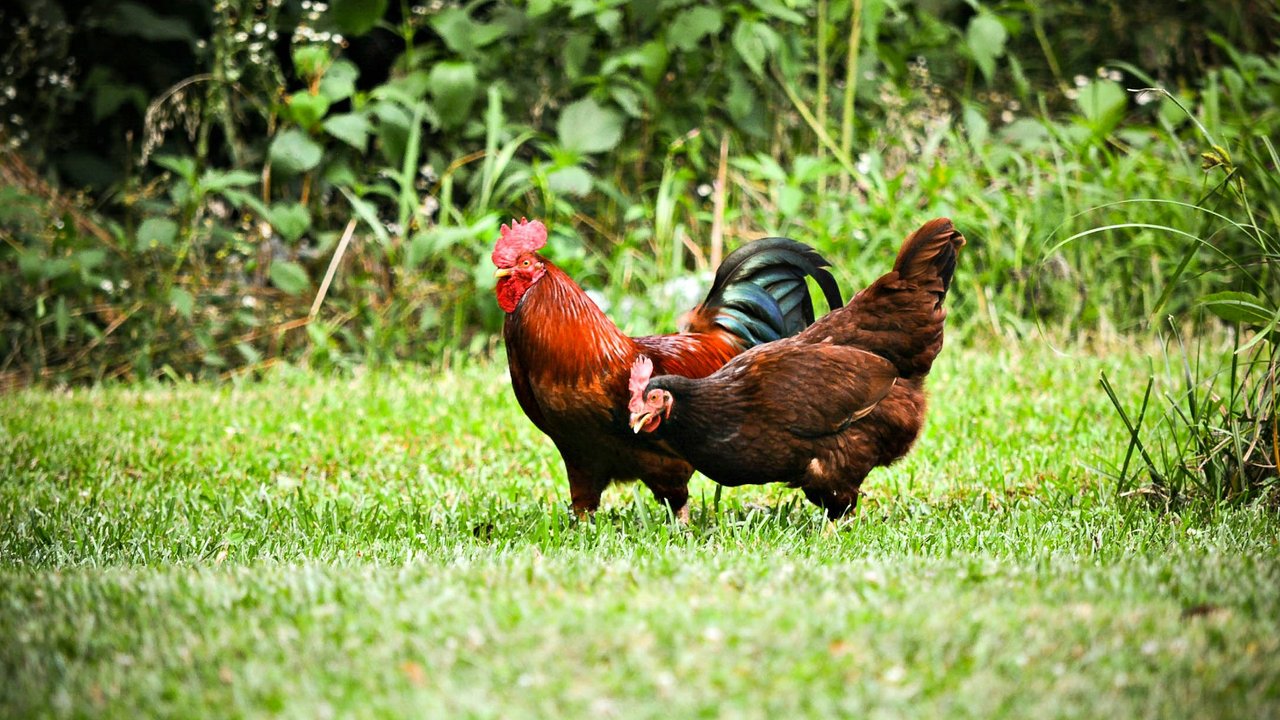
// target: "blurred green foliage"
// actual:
[[176, 179]]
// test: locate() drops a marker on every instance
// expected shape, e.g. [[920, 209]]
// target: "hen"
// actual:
[[569, 364], [821, 409]]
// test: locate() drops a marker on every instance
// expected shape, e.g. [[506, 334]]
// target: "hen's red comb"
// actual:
[[517, 239], [641, 372]]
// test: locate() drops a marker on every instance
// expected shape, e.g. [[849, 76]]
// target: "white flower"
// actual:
[[864, 163]]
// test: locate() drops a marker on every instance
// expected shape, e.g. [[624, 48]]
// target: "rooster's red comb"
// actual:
[[517, 239], [641, 372]]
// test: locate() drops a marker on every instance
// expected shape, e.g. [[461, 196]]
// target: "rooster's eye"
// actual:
[[525, 263]]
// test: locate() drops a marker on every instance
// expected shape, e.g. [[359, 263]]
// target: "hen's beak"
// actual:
[[638, 421], [502, 272]]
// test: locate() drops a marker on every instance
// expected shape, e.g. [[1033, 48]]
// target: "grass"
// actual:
[[398, 543]]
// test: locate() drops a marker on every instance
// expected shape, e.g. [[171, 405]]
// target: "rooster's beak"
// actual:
[[638, 421], [502, 272]]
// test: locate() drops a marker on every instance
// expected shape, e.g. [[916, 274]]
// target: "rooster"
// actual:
[[569, 364], [821, 409]]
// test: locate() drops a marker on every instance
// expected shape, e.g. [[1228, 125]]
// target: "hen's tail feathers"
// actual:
[[928, 257], [759, 293], [900, 316]]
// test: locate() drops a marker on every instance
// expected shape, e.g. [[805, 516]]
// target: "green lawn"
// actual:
[[399, 543]]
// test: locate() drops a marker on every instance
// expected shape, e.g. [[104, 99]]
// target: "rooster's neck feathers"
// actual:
[[566, 332]]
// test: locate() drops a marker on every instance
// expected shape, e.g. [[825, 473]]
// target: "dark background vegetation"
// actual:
[[176, 177]]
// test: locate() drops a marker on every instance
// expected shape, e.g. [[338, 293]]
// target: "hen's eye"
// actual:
[[525, 263]]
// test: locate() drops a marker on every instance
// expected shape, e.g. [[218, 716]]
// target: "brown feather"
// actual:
[[821, 409]]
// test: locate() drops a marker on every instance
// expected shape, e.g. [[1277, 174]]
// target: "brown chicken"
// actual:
[[821, 409], [569, 364]]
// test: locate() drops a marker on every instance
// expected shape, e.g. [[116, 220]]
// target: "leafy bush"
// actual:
[[1219, 437], [234, 147]]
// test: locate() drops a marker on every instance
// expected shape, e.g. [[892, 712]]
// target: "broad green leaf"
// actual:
[[290, 277], [1102, 102], [754, 42], [183, 165], [1025, 132], [290, 220], [462, 34], [221, 180], [248, 352], [628, 99], [351, 128], [453, 91], [310, 60], [356, 17], [573, 180], [182, 301], [741, 99], [90, 259], [392, 142], [575, 54], [240, 199], [976, 126], [407, 90], [35, 266], [156, 232], [341, 173], [1239, 307], [779, 10], [339, 81], [609, 20], [789, 200], [306, 109], [292, 152], [587, 127], [690, 26], [650, 59], [393, 114], [986, 38]]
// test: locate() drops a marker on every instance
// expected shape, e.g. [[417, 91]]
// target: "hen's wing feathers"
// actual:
[[816, 390]]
